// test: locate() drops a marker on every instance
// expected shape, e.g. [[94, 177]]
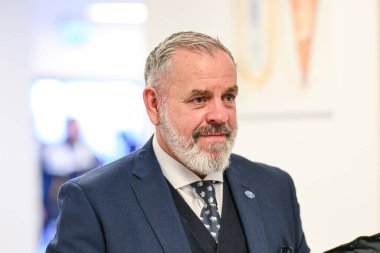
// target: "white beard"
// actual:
[[215, 157]]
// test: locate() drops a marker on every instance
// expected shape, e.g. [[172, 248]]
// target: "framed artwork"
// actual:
[[283, 53]]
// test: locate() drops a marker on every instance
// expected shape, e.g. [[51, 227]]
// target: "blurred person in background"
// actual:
[[60, 163], [183, 191]]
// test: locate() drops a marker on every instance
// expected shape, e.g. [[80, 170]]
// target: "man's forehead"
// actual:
[[193, 72]]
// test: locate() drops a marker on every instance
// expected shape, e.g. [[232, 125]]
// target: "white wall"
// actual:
[[213, 17], [19, 214]]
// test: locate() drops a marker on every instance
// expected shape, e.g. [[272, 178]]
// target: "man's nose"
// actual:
[[217, 114]]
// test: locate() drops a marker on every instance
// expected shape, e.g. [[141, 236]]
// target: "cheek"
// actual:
[[188, 124], [232, 120], [185, 120], [187, 128]]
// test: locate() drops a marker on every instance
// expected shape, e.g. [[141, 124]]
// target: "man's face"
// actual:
[[198, 119]]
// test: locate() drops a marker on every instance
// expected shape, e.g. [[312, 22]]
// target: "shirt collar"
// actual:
[[175, 172]]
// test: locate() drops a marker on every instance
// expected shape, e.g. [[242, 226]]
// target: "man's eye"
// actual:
[[229, 98], [199, 100]]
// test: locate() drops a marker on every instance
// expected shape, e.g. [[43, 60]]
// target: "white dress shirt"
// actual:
[[181, 177]]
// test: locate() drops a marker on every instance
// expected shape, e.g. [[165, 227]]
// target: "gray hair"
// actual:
[[158, 63]]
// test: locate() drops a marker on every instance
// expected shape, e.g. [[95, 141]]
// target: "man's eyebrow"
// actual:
[[208, 93], [198, 92], [233, 89]]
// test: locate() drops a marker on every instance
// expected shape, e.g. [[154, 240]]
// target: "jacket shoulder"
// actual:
[[256, 168], [107, 174]]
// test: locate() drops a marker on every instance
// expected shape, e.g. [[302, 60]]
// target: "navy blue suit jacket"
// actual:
[[127, 206]]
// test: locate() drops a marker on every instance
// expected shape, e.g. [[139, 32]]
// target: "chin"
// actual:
[[213, 154]]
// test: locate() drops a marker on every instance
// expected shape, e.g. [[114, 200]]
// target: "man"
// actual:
[[183, 191]]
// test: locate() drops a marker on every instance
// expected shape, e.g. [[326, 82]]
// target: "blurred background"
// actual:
[[71, 81]]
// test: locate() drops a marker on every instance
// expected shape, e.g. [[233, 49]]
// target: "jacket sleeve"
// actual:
[[78, 228]]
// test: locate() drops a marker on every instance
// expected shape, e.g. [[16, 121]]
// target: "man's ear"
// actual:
[[151, 104]]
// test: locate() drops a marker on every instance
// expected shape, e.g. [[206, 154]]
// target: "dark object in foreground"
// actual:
[[362, 244]]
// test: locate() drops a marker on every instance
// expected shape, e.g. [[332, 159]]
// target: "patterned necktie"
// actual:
[[209, 214]]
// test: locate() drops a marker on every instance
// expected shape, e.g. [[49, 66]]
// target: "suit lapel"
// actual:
[[248, 208], [154, 197]]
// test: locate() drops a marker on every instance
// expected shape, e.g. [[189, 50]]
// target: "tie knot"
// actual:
[[205, 189], [203, 185]]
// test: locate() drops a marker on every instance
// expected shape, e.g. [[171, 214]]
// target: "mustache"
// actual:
[[212, 129]]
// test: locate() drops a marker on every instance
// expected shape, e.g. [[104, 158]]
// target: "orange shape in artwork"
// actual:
[[304, 14]]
